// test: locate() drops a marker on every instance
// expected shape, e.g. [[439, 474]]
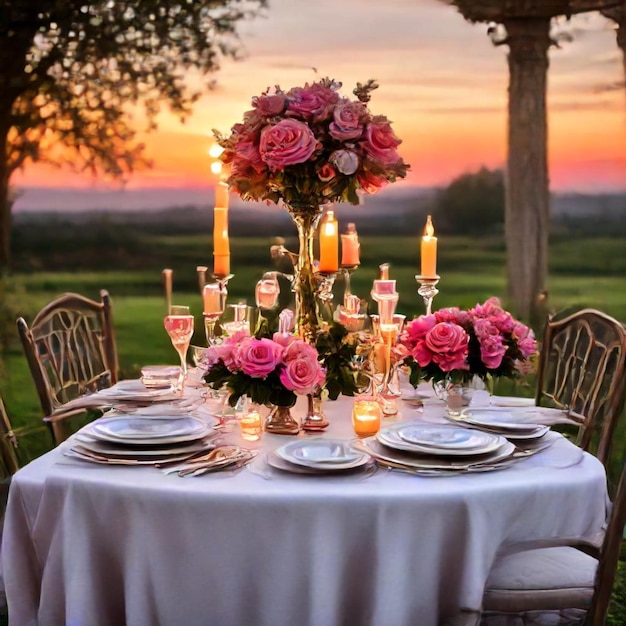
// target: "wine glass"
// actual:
[[179, 326]]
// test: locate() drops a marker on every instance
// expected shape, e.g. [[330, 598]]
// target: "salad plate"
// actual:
[[501, 418], [278, 462], [321, 453], [442, 436]]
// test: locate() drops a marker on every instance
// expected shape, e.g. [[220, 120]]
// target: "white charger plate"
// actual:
[[380, 451], [511, 401], [123, 450], [490, 442], [320, 453]]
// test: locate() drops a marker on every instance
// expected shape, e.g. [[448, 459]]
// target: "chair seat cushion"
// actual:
[[545, 578]]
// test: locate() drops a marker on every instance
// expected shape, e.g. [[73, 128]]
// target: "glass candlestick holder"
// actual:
[[347, 271], [428, 290]]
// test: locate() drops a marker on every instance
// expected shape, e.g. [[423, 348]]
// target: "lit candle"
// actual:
[[366, 416], [329, 244], [221, 243], [429, 251], [350, 247], [212, 299], [167, 286], [250, 424]]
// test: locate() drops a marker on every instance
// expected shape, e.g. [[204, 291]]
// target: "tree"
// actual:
[[472, 203], [71, 70]]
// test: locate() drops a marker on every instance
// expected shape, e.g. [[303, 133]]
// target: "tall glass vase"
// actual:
[[306, 217]]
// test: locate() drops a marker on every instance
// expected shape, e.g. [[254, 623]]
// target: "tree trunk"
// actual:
[[6, 204], [527, 189]]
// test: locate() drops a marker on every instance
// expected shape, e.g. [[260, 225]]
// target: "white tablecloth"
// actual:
[[93, 545]]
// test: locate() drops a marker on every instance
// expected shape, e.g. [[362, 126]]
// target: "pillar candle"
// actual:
[[221, 195], [221, 264], [221, 242], [329, 244], [350, 247], [428, 251]]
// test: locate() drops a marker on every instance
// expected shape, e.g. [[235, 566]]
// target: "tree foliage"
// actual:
[[473, 203], [71, 70]]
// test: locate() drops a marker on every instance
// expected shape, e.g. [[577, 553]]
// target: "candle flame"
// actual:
[[215, 150], [216, 167], [429, 229]]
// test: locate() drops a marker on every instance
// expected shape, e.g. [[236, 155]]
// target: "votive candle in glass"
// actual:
[[251, 424], [366, 415]]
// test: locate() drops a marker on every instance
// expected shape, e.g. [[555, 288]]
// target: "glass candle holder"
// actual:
[[366, 415], [251, 424]]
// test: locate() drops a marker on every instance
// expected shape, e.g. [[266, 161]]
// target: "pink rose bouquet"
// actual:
[[310, 144], [268, 371], [483, 341]]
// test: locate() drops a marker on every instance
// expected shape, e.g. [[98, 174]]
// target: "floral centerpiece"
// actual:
[[456, 345], [268, 371], [311, 145], [306, 147]]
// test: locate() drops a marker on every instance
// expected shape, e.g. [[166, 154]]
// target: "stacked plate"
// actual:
[[438, 449], [142, 440], [317, 456], [514, 424]]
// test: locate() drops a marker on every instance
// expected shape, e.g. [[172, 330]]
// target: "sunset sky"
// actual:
[[442, 83]]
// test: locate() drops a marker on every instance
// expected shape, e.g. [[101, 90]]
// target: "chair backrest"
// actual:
[[609, 556], [70, 347], [582, 366], [8, 445]]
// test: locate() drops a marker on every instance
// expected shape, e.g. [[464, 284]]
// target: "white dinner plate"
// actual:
[[278, 462], [123, 450], [320, 453], [489, 443], [147, 430], [501, 418], [134, 388], [442, 436], [380, 451]]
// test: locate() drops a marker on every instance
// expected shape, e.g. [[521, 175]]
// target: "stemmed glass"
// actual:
[[179, 326]]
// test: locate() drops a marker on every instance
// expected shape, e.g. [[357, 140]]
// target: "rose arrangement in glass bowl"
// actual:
[[311, 144], [456, 345], [268, 371]]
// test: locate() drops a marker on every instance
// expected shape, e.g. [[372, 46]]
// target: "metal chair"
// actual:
[[71, 350], [579, 575], [582, 367]]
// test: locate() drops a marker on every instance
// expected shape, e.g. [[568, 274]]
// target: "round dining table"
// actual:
[[90, 544]]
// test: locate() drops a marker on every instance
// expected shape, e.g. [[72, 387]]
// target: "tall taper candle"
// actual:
[[329, 244], [167, 285]]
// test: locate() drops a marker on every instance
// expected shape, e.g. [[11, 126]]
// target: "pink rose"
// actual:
[[492, 351], [416, 330], [326, 172], [286, 143], [484, 328], [302, 375], [299, 349], [449, 346], [528, 346], [258, 357], [421, 353], [346, 161], [452, 314], [268, 105], [381, 143], [220, 353], [312, 102], [347, 121]]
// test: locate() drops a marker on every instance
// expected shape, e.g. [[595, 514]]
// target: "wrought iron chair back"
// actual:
[[71, 350], [582, 367]]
